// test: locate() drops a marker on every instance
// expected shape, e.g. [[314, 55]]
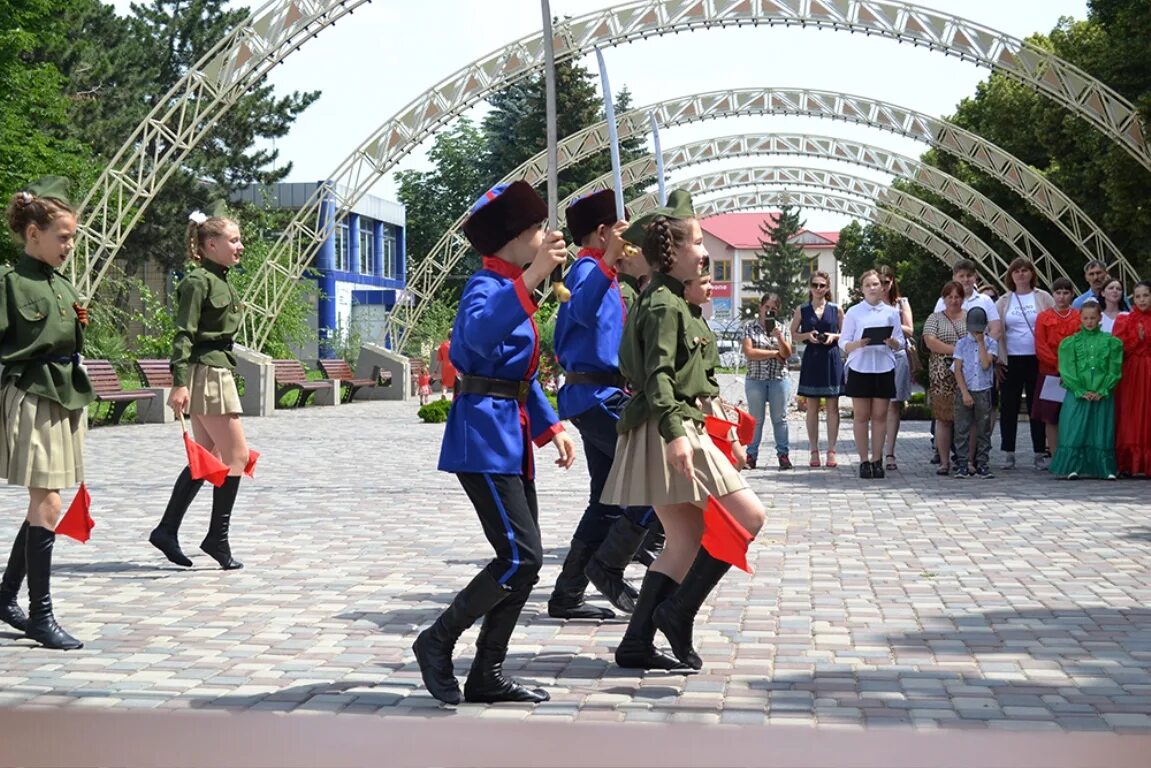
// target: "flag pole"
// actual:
[[658, 160], [558, 288]]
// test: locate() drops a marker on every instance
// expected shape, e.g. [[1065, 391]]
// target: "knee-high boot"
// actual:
[[164, 537], [606, 567], [675, 617], [42, 626], [216, 542], [10, 611], [637, 649], [433, 647], [652, 545], [486, 682], [567, 600]]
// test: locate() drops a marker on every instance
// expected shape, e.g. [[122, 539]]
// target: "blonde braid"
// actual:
[[193, 241]]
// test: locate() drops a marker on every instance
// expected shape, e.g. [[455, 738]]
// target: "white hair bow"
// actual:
[[198, 217]]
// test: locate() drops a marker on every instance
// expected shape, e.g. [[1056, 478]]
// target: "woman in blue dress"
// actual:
[[817, 324]]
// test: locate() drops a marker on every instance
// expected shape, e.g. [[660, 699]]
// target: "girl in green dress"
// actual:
[[1090, 364]]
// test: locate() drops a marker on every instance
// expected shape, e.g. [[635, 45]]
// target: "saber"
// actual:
[[612, 135], [659, 177], [561, 292]]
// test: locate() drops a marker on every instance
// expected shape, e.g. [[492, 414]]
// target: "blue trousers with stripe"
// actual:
[[597, 429], [507, 508]]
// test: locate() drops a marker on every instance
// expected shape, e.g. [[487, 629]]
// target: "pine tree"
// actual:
[[781, 266]]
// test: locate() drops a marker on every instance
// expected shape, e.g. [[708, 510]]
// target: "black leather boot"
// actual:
[[42, 626], [652, 545], [216, 542], [675, 617], [10, 611], [605, 570], [164, 536], [486, 682], [637, 649], [433, 647], [567, 598]]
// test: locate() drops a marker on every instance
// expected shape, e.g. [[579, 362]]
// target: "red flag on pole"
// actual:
[[723, 537], [745, 428], [201, 463], [77, 522], [719, 430], [250, 467]]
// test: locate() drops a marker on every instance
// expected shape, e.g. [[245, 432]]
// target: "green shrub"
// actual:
[[551, 396], [435, 412]]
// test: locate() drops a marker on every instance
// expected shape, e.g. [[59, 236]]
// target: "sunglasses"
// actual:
[[819, 285]]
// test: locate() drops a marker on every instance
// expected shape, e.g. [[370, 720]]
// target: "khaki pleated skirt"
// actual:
[[640, 475], [212, 391], [43, 444]]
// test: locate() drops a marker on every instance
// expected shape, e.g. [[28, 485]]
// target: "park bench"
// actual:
[[337, 368], [155, 373], [106, 384], [290, 376]]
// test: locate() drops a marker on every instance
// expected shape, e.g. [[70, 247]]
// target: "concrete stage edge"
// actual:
[[61, 739]]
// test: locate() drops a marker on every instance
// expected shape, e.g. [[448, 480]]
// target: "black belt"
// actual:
[[596, 379], [511, 389], [219, 345], [73, 358]]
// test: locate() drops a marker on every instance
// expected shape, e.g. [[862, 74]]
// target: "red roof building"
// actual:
[[733, 241]]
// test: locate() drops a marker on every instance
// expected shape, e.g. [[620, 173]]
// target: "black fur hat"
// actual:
[[501, 214]]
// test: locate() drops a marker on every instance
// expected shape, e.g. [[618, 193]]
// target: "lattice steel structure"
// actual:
[[1044, 196], [181, 120], [391, 141], [971, 200]]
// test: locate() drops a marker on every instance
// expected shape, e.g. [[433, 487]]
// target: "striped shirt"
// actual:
[[773, 368]]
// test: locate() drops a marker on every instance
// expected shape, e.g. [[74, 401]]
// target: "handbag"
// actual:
[[914, 361]]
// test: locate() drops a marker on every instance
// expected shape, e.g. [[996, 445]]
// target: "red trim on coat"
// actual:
[[549, 434], [611, 273], [501, 267]]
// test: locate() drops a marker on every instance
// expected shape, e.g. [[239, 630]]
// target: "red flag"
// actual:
[[719, 431], [745, 428], [77, 522], [723, 537], [203, 464], [250, 467]]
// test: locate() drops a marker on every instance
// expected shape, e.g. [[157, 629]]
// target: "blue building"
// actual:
[[360, 269]]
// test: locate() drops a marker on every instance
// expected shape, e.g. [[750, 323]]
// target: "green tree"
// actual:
[[780, 264]]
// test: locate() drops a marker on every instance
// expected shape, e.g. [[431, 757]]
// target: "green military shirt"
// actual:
[[628, 290], [664, 354], [699, 327], [40, 335], [207, 318]]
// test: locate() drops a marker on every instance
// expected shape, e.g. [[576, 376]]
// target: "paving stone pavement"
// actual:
[[1013, 603]]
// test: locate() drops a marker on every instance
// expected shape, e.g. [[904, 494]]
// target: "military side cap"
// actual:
[[501, 214], [55, 187], [678, 207], [585, 214]]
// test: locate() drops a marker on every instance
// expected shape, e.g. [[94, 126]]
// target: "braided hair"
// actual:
[[661, 240], [25, 209], [199, 232]]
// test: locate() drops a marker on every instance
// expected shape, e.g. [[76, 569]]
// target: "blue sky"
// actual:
[[369, 66]]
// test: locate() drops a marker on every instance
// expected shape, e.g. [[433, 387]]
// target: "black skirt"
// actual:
[[873, 385]]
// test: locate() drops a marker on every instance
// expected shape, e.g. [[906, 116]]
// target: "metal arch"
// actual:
[[996, 162], [908, 206], [987, 211], [1076, 90], [182, 118]]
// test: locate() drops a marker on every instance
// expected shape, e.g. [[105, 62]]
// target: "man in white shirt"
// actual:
[[1095, 272], [963, 272]]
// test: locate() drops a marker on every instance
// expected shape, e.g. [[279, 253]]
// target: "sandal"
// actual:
[[943, 471], [831, 462], [891, 463], [814, 459]]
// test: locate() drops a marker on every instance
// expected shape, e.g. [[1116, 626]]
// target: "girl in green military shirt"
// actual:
[[207, 318], [664, 458], [44, 396]]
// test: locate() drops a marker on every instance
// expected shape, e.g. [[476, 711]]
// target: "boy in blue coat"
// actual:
[[587, 338], [498, 411]]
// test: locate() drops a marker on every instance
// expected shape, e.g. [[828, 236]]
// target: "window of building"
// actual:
[[721, 271], [340, 240], [389, 254], [748, 271], [366, 247]]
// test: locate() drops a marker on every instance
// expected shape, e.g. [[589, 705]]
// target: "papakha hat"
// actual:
[[585, 214], [501, 214]]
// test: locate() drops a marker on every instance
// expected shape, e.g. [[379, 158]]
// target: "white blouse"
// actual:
[[873, 358]]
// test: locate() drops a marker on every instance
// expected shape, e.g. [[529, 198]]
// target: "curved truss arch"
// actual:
[[1074, 89], [987, 211], [181, 120], [1043, 195], [907, 206]]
